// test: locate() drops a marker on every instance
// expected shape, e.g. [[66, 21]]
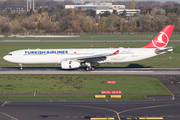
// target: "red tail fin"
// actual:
[[161, 40]]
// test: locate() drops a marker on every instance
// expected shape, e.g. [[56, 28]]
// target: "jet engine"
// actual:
[[70, 64]]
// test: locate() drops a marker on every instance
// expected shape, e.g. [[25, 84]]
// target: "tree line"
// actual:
[[57, 20]]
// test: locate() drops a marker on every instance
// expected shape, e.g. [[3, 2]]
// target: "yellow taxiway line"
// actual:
[[151, 118], [3, 103]]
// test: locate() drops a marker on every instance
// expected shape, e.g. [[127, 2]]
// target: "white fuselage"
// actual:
[[56, 56]]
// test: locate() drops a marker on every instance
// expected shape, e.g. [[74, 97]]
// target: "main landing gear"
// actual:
[[21, 66], [89, 67]]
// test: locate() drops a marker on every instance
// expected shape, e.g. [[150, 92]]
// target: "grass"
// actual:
[[168, 60], [76, 87], [78, 84], [96, 37]]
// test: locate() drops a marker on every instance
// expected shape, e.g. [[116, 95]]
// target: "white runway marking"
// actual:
[[122, 71]]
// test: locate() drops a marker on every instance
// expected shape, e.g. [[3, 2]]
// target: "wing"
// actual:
[[93, 58]]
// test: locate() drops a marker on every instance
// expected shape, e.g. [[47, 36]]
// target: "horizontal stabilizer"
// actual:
[[167, 49]]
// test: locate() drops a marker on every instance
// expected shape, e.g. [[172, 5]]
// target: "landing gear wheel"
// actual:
[[87, 68], [21, 67], [92, 68]]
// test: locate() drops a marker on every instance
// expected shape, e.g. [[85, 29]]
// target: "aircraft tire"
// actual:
[[87, 68], [92, 68]]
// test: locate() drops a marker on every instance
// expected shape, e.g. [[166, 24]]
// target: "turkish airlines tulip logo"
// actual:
[[161, 40]]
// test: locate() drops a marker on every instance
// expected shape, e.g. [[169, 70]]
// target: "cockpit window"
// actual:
[[10, 54]]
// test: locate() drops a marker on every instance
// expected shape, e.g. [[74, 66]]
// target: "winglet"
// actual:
[[116, 52], [112, 47]]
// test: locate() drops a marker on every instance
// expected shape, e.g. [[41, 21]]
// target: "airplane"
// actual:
[[74, 58]]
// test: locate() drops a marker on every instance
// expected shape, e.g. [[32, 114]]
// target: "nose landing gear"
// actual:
[[21, 66]]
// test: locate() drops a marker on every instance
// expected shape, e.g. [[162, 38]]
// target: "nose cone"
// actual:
[[6, 58], [10, 58]]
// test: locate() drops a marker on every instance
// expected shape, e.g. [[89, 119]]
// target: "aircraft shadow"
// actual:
[[137, 66]]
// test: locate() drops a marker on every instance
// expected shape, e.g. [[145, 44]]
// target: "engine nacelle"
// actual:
[[70, 64]]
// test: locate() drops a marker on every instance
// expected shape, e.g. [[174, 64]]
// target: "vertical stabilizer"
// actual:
[[162, 39]]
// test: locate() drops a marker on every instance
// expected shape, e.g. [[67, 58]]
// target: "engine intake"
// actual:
[[70, 64]]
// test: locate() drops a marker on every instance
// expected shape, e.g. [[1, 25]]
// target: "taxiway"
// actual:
[[85, 110]]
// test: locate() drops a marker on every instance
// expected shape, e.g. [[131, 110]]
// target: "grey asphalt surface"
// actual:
[[110, 71], [80, 40], [84, 110], [153, 106]]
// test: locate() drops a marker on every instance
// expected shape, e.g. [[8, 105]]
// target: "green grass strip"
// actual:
[[79, 84]]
